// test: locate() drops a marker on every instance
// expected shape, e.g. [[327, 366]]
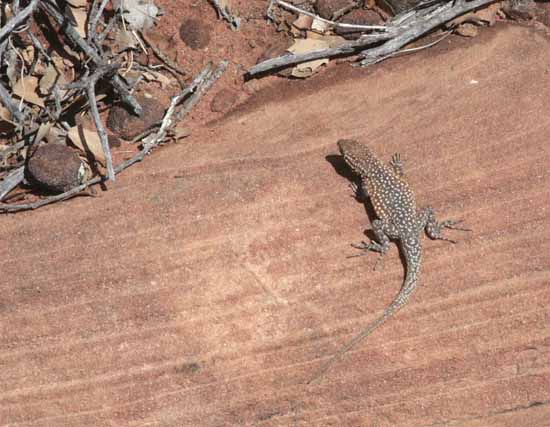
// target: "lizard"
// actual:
[[398, 219]]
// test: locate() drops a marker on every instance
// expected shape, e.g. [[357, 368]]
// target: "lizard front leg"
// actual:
[[397, 165], [359, 192], [384, 231]]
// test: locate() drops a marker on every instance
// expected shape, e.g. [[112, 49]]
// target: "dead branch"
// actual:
[[18, 19], [11, 181], [207, 83], [95, 14], [6, 99], [400, 31], [223, 12], [420, 26], [90, 91], [167, 61], [349, 48]]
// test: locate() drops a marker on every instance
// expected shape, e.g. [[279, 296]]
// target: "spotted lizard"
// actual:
[[398, 219]]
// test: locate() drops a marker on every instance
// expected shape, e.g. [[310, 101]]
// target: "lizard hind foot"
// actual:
[[379, 261], [435, 229], [452, 225], [363, 246]]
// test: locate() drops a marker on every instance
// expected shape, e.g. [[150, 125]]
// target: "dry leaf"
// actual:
[[124, 40], [48, 80], [26, 89], [489, 13], [487, 16], [80, 15], [331, 40], [303, 22], [42, 132], [78, 3], [319, 26], [181, 132], [307, 69], [59, 63], [466, 30], [8, 12], [88, 141], [5, 114], [27, 53], [153, 76], [6, 124], [139, 14], [13, 70], [55, 135]]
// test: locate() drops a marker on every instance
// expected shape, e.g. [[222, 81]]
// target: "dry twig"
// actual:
[[421, 25], [94, 56], [223, 12], [160, 55], [348, 48], [11, 181], [18, 19], [400, 31]]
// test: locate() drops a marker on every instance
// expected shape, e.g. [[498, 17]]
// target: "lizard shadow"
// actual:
[[342, 169]]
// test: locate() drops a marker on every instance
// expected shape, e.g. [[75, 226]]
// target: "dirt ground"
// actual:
[[209, 284]]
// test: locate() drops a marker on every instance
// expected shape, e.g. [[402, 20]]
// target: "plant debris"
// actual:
[[223, 9], [64, 70], [180, 106], [373, 42]]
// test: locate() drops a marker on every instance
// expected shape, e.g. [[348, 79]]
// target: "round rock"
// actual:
[[55, 167], [127, 125], [195, 34], [326, 8]]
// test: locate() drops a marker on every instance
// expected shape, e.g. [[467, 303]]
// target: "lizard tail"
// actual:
[[413, 254]]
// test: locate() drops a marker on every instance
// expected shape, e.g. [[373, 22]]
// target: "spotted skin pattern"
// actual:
[[398, 219]]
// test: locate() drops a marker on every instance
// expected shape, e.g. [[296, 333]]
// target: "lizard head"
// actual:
[[355, 154]]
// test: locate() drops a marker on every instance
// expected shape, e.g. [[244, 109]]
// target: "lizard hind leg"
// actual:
[[434, 229]]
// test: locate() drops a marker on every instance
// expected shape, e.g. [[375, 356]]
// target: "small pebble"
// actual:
[[326, 8]]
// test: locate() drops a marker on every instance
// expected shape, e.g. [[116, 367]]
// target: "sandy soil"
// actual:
[[208, 285]]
